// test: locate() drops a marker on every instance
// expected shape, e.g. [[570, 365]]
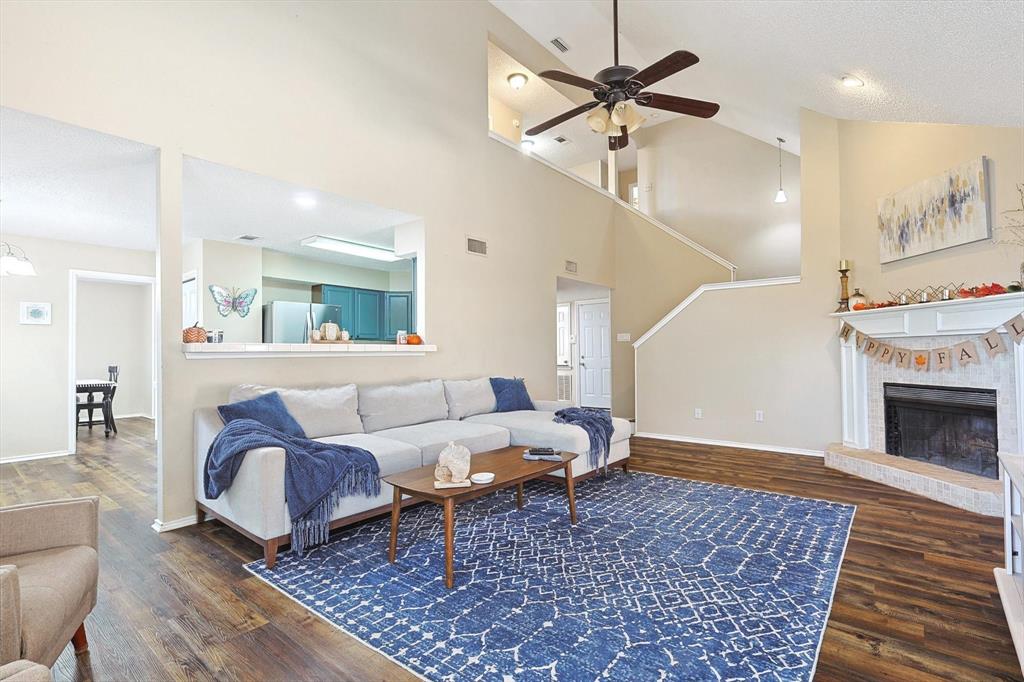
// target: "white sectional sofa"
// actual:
[[404, 426]]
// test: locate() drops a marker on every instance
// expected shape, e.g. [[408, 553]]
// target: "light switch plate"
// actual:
[[624, 336], [698, 413], [759, 415]]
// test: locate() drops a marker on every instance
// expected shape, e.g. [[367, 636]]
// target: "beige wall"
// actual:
[[717, 186], [877, 159], [233, 267], [594, 172], [115, 327], [626, 178], [416, 152], [286, 266], [735, 351], [504, 120], [35, 389]]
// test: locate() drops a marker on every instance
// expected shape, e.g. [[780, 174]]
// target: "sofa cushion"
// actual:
[[393, 456], [432, 437], [532, 427], [466, 398], [510, 395], [58, 589], [389, 406], [268, 410], [327, 411]]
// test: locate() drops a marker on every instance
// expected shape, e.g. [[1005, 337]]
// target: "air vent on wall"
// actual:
[[559, 44], [246, 237], [561, 140], [564, 389], [476, 246], [571, 267]]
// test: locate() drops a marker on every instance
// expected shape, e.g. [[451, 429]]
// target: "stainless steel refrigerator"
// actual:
[[289, 322]]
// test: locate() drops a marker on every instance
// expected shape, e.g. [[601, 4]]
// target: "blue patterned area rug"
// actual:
[[661, 578]]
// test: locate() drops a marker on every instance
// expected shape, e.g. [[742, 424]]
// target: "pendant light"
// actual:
[[13, 261], [780, 196]]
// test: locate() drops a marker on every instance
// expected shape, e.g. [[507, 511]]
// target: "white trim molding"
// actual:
[[704, 251], [164, 526], [220, 351], [714, 286], [783, 449], [34, 455]]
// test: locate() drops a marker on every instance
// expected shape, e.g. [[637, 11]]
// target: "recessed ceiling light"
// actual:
[[351, 248], [851, 81], [526, 145], [516, 81], [305, 201]]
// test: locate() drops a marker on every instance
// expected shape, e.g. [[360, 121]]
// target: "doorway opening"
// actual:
[[583, 343]]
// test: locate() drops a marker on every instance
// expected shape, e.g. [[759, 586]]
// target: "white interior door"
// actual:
[[595, 347]]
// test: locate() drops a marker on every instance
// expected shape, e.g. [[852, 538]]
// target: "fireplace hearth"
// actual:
[[950, 426]]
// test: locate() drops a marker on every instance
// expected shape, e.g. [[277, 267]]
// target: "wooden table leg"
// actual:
[[108, 417], [519, 496], [396, 510], [570, 490], [449, 542]]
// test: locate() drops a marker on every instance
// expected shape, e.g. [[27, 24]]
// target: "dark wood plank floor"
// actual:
[[915, 600]]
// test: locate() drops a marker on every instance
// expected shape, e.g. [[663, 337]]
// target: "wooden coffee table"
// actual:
[[509, 469]]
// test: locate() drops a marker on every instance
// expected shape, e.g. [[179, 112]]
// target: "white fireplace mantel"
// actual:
[[941, 318]]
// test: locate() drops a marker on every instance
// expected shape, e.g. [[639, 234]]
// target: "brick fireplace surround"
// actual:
[[921, 326]]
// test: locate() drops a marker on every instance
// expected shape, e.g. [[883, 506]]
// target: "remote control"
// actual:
[[542, 454]]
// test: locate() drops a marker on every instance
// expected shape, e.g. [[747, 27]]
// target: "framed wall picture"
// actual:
[[947, 210], [34, 313]]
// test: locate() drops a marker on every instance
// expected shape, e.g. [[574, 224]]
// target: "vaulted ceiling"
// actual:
[[941, 62]]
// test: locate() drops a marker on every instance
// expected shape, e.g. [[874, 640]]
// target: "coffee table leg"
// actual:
[[519, 496], [396, 510], [449, 542], [570, 490]]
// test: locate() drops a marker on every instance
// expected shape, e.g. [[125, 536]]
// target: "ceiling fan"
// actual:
[[616, 85]]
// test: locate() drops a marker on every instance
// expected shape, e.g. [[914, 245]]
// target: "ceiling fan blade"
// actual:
[[665, 67], [551, 123], [572, 79], [679, 105]]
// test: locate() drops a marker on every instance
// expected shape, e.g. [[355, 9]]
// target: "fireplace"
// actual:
[[946, 425]]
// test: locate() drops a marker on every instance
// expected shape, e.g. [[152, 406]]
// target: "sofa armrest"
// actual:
[[24, 671], [551, 405], [207, 424], [45, 525], [10, 615]]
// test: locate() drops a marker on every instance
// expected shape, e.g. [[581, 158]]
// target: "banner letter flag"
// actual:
[[965, 353], [1015, 327], [860, 339], [904, 358], [845, 331], [942, 358], [920, 360], [993, 343], [885, 353], [871, 347]]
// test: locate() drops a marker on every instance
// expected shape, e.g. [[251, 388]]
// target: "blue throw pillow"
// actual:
[[510, 395], [268, 410]]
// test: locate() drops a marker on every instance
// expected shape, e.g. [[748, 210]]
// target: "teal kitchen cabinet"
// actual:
[[399, 313], [369, 314], [335, 295]]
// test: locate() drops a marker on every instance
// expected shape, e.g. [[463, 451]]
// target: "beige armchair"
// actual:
[[49, 568]]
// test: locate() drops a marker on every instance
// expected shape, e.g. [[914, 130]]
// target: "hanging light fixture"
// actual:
[[516, 81], [625, 114], [599, 120], [780, 196], [12, 263]]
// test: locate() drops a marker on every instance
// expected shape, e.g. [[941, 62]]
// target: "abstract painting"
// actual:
[[948, 210]]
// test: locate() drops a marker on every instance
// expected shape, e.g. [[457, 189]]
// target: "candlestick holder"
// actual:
[[844, 297]]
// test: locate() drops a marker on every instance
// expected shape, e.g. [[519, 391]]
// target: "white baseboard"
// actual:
[[732, 444], [34, 455], [163, 526], [132, 416]]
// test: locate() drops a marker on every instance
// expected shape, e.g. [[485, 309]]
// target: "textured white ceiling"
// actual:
[[537, 101], [59, 181], [960, 61], [222, 203]]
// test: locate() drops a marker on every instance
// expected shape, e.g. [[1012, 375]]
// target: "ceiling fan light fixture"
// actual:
[[851, 81], [516, 81], [599, 120], [625, 114]]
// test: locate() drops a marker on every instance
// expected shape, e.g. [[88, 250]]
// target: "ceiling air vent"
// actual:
[[476, 246], [559, 44], [571, 267], [246, 237], [561, 140]]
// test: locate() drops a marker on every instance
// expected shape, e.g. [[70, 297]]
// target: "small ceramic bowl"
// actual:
[[482, 477]]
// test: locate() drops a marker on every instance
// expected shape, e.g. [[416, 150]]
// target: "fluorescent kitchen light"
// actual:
[[351, 248], [305, 201]]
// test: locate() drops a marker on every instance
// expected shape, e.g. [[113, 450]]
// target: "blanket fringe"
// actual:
[[313, 527]]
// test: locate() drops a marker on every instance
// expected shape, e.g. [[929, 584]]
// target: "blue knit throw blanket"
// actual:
[[597, 424], [316, 475]]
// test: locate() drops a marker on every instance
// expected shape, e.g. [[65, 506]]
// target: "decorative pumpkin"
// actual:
[[194, 334], [414, 340]]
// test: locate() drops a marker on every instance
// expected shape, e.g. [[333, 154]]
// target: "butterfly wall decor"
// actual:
[[234, 300]]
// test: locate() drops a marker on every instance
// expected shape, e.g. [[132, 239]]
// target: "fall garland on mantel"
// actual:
[[964, 353]]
